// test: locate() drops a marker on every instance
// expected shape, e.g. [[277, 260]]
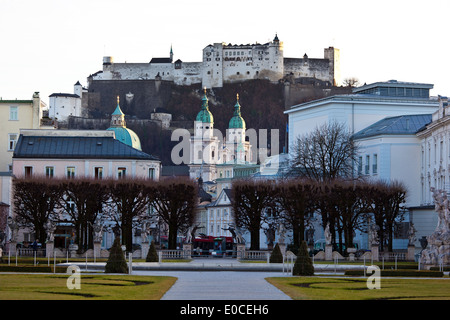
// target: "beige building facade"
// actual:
[[17, 115]]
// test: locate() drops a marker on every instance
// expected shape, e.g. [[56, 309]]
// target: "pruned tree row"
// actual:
[[346, 206], [124, 203]]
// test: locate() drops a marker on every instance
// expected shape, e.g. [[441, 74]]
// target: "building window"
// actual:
[[367, 169], [12, 140], [151, 173], [360, 166], [70, 172], [121, 173], [28, 172], [14, 113], [375, 164], [49, 172], [98, 172]]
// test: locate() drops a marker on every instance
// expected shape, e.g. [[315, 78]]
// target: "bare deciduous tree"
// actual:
[[35, 201], [296, 199], [175, 203], [83, 200], [129, 201], [350, 82], [325, 154], [249, 201]]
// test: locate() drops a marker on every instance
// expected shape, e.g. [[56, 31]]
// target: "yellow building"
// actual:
[[16, 115]]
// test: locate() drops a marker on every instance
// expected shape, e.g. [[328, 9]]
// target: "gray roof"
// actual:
[[67, 147], [399, 125]]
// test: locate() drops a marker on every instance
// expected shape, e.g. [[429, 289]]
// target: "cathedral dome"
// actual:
[[121, 132], [205, 115], [126, 136], [237, 122]]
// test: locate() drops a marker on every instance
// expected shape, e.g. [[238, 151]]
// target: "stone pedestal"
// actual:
[[351, 254], [240, 250], [375, 253], [410, 256], [328, 252], [97, 249], [144, 249], [187, 250], [12, 247], [282, 247], [49, 248], [73, 249]]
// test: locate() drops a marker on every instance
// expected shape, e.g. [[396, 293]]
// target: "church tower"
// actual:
[[204, 146], [238, 149], [121, 132]]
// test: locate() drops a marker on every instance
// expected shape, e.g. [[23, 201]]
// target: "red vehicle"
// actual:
[[215, 246]]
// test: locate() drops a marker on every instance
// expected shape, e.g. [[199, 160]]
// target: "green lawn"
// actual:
[[340, 288], [93, 287]]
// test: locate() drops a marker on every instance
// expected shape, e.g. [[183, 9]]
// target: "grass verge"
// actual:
[[340, 288], [93, 287]]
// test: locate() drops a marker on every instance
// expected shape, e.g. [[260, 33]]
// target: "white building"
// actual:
[[226, 63], [367, 105], [63, 105], [434, 171], [384, 118], [209, 148]]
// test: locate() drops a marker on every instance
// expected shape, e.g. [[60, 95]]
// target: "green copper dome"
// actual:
[[126, 136], [121, 132], [205, 115], [237, 122]]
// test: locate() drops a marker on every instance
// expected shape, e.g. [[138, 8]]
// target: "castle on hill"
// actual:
[[228, 63]]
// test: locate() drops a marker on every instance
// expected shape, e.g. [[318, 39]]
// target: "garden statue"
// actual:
[[438, 249], [411, 234], [14, 229], [98, 231], [282, 233], [327, 234]]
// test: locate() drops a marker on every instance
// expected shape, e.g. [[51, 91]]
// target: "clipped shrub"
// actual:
[[303, 265], [152, 255], [116, 262], [276, 256]]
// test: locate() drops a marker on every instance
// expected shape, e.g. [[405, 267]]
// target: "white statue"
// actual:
[[188, 238], [411, 234], [327, 234], [13, 227], [282, 233], [98, 231], [373, 233], [438, 248], [145, 231], [50, 228]]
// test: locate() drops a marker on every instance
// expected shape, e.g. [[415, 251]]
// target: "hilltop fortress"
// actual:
[[228, 63]]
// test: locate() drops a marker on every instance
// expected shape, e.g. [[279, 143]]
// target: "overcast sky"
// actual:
[[49, 45]]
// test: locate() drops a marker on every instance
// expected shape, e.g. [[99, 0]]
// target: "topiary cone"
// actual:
[[303, 265], [116, 262], [152, 255], [276, 256]]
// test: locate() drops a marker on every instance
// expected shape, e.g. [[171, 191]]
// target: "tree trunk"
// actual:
[[172, 239], [254, 242]]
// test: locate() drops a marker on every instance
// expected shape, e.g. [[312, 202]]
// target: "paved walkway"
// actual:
[[217, 278], [220, 285]]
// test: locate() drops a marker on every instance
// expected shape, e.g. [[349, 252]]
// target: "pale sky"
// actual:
[[49, 45]]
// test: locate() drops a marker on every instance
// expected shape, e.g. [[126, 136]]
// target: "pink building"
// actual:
[[78, 153]]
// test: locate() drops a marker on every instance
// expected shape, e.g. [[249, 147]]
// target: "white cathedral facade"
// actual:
[[210, 148]]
